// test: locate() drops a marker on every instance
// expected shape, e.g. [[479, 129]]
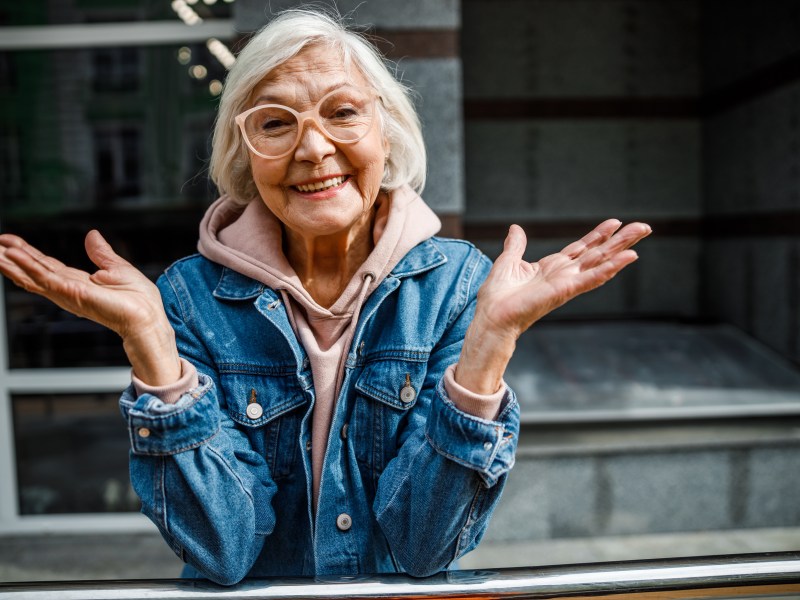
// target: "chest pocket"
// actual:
[[269, 409], [387, 392]]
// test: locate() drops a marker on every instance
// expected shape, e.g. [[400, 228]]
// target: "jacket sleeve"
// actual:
[[197, 476], [436, 496]]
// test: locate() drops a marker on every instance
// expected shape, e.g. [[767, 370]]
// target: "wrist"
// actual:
[[484, 357], [153, 354]]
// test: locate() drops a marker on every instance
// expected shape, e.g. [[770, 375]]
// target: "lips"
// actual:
[[321, 186]]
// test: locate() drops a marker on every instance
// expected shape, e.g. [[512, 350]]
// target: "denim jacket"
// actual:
[[409, 481]]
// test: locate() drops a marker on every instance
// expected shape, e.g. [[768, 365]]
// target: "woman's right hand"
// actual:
[[117, 296]]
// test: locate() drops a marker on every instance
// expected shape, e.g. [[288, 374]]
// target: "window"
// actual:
[[112, 138], [72, 454]]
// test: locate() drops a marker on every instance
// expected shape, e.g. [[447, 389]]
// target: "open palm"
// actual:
[[517, 293], [117, 295]]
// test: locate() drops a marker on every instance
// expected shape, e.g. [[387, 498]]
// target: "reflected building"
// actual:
[[92, 135]]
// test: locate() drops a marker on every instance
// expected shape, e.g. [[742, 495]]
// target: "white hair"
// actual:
[[281, 39]]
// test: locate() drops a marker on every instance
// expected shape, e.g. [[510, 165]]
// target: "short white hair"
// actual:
[[278, 41]]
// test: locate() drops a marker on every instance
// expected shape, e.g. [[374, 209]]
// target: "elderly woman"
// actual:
[[320, 390]]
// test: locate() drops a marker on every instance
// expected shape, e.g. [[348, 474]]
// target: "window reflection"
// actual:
[[72, 453], [115, 69], [86, 142]]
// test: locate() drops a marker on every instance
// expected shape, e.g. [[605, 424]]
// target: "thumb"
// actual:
[[515, 243], [100, 252]]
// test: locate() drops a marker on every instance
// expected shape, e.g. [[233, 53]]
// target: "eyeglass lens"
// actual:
[[346, 116]]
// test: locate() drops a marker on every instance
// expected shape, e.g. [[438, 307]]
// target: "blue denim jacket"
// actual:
[[406, 485]]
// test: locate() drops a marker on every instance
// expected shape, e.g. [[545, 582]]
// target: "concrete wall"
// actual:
[[646, 489], [603, 128], [575, 111], [751, 169]]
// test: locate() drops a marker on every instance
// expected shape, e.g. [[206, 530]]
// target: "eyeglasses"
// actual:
[[344, 115]]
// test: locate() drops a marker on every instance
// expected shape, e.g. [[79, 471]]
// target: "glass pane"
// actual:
[[72, 454], [42, 12], [114, 139]]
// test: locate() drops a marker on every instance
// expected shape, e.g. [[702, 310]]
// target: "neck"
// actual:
[[326, 264]]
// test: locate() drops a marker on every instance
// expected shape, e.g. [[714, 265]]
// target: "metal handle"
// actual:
[[730, 576]]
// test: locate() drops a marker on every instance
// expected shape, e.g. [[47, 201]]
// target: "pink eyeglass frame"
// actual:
[[311, 114]]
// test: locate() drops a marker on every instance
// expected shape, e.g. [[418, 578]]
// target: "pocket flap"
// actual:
[[387, 381], [275, 394]]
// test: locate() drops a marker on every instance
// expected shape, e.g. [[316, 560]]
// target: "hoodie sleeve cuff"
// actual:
[[169, 394], [485, 406]]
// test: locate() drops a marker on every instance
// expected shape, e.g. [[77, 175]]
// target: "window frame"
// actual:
[[66, 380]]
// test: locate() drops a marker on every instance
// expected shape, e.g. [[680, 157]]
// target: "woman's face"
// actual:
[[357, 169]]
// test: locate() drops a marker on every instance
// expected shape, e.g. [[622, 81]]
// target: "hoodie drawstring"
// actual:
[[368, 278]]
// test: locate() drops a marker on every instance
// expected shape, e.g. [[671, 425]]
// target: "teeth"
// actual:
[[321, 185]]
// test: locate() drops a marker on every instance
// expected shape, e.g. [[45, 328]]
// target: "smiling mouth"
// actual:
[[320, 186]]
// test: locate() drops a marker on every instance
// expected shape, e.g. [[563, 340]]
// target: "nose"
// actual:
[[313, 145]]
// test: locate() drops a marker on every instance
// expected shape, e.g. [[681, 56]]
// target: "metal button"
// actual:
[[308, 446], [143, 432], [487, 446], [254, 411], [273, 305], [408, 393], [344, 522], [344, 431]]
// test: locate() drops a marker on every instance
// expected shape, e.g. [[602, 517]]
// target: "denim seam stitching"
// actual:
[[235, 475], [178, 300], [483, 469], [451, 406], [400, 484], [274, 413], [177, 450], [189, 405], [460, 545]]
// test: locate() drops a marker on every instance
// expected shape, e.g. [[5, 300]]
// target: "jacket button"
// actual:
[[308, 446], [254, 411], [408, 393], [143, 432], [344, 431], [344, 522]]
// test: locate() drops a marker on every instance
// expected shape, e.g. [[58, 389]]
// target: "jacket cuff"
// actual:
[[171, 393], [158, 428], [485, 406], [483, 445]]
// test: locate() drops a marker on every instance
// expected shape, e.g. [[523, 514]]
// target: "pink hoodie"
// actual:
[[249, 241]]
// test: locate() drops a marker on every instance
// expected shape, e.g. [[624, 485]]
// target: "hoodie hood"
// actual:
[[249, 240]]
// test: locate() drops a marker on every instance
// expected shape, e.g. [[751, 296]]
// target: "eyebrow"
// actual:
[[278, 99]]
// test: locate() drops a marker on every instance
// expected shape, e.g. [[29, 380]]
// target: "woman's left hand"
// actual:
[[518, 293]]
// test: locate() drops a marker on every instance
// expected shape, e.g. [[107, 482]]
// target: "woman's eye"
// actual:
[[272, 124], [344, 112]]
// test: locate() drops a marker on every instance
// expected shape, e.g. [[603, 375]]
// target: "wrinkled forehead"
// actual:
[[306, 77]]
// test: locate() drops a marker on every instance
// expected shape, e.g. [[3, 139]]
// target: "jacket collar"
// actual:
[[235, 286], [422, 257]]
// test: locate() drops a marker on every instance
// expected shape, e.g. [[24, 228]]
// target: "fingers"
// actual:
[[27, 266], [100, 252], [515, 243], [11, 270], [594, 238], [610, 249]]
